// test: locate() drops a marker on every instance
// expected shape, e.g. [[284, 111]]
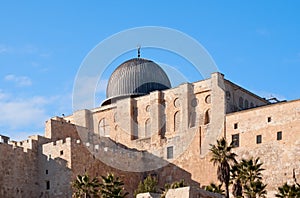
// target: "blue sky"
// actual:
[[42, 44]]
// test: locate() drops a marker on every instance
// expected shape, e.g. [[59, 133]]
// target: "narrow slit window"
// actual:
[[47, 185], [170, 152], [258, 139], [235, 140], [279, 135], [235, 126], [176, 121]]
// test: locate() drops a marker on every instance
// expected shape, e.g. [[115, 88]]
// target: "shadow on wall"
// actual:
[[102, 155], [49, 171], [54, 177]]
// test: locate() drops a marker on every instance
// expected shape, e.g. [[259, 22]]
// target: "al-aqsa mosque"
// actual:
[[146, 127]]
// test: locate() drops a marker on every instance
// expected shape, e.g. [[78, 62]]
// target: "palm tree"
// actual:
[[237, 189], [287, 191], [223, 156], [247, 175], [147, 185], [112, 187], [84, 187], [250, 170], [212, 187], [255, 189]]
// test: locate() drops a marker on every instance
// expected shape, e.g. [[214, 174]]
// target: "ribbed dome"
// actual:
[[136, 77]]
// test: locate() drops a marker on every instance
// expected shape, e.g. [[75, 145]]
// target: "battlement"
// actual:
[[58, 128], [31, 143], [13, 146], [66, 141]]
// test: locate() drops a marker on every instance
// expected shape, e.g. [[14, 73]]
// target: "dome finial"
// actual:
[[139, 51]]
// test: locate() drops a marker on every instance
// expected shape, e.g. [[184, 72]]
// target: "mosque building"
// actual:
[[146, 127]]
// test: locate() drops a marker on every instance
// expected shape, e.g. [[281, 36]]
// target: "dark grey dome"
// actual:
[[136, 77]]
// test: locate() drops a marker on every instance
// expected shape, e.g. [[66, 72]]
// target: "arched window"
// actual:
[[241, 103], [207, 117], [246, 104], [148, 128], [104, 128], [176, 121]]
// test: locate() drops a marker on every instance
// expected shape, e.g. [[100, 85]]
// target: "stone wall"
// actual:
[[58, 128], [86, 158], [55, 169], [19, 171], [183, 122], [279, 153]]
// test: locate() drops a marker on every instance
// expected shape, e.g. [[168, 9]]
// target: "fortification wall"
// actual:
[[86, 157], [59, 128], [18, 168], [272, 133], [55, 169]]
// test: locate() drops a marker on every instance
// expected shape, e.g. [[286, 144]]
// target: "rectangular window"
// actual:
[[258, 139], [61, 152], [269, 119], [279, 135], [235, 126], [235, 140], [170, 152], [47, 185], [46, 172]]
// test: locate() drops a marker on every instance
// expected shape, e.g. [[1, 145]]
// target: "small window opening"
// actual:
[[269, 119], [46, 172], [61, 152], [258, 139], [47, 185], [235, 126], [170, 152], [279, 135], [235, 140], [207, 117]]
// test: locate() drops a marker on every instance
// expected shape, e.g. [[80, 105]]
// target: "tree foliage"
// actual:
[[223, 157], [85, 187], [246, 175], [255, 189], [174, 185], [147, 185], [212, 187], [288, 191], [112, 187]]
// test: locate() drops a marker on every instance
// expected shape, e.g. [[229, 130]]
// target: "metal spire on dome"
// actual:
[[139, 51]]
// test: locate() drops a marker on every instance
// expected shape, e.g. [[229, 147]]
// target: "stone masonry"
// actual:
[[165, 134]]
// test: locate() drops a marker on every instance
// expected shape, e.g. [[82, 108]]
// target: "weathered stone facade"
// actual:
[[272, 133], [165, 133]]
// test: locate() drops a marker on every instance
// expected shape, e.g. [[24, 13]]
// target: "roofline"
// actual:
[[264, 106], [247, 91]]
